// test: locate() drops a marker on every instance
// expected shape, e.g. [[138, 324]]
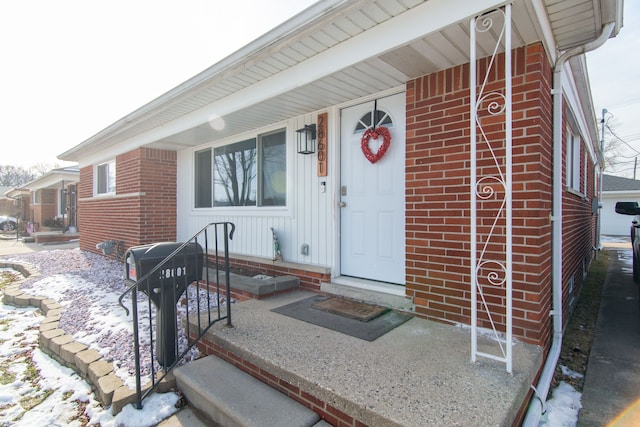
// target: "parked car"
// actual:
[[632, 208], [8, 223]]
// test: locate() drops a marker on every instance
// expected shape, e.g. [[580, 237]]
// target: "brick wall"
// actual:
[[309, 280], [8, 207], [144, 207], [326, 410], [437, 194], [16, 208], [47, 206], [579, 226]]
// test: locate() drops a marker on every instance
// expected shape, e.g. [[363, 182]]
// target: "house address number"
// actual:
[[322, 144]]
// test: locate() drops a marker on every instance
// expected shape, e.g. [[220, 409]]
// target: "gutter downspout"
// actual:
[[536, 406]]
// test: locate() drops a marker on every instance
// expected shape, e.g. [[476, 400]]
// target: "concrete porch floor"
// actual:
[[418, 374]]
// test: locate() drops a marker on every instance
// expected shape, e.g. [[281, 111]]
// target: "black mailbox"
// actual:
[[165, 286]]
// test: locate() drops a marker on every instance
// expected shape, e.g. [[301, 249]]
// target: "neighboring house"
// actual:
[[52, 199], [427, 215], [8, 205], [617, 189], [21, 200]]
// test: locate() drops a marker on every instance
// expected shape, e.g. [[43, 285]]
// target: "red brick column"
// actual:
[[143, 210], [438, 193]]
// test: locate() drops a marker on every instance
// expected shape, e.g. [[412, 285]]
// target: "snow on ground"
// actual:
[[35, 389], [614, 239], [563, 407]]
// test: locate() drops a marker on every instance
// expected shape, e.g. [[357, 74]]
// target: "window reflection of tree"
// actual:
[[235, 166], [273, 170]]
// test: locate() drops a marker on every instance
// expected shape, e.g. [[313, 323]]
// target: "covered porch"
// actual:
[[393, 380], [53, 205]]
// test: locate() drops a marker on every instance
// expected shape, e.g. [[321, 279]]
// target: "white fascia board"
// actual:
[[104, 155], [426, 18], [16, 192], [548, 40], [621, 193], [573, 96], [49, 180]]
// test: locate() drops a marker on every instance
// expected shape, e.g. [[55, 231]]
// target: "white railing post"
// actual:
[[491, 183]]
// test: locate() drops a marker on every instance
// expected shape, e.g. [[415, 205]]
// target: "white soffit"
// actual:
[[347, 50]]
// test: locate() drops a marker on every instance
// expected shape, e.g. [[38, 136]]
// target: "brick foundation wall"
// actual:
[[309, 280], [438, 203], [142, 211]]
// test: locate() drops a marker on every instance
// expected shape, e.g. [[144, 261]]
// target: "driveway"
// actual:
[[611, 394], [10, 246]]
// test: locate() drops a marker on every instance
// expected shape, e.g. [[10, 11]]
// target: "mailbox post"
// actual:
[[165, 285]]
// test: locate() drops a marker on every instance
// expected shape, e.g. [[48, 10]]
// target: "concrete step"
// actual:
[[232, 398], [259, 288]]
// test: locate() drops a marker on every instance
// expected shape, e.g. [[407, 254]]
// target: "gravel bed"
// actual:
[[88, 286]]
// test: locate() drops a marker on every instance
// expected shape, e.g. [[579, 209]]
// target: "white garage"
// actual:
[[617, 189]]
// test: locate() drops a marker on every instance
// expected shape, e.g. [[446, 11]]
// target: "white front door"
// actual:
[[372, 199]]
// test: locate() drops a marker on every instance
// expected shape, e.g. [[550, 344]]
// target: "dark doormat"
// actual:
[[369, 330], [350, 308]]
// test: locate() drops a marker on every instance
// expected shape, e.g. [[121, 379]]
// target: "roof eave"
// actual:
[[52, 178]]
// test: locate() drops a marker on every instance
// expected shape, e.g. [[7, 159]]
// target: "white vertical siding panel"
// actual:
[[322, 231], [183, 187], [314, 221], [286, 239], [311, 174], [302, 186], [309, 220]]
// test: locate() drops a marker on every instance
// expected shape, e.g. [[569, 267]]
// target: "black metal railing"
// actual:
[[177, 288]]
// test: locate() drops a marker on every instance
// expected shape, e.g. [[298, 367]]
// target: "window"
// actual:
[[585, 166], [62, 198], [235, 174], [373, 118], [246, 173], [573, 162], [273, 179], [203, 179], [106, 178]]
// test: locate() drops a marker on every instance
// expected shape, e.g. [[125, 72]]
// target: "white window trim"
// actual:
[[241, 211], [573, 162], [111, 166]]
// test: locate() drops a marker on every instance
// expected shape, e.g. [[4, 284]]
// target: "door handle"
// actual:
[[342, 204]]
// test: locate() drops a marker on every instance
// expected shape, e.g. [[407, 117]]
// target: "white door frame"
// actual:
[[335, 126]]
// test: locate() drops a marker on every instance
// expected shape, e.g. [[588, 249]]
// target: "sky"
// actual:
[[73, 67], [614, 73]]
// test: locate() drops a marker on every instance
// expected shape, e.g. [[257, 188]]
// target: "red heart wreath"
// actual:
[[375, 133]]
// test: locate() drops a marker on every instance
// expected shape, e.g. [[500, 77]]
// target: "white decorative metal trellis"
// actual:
[[491, 186]]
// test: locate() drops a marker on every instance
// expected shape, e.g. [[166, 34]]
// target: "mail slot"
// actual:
[[165, 286]]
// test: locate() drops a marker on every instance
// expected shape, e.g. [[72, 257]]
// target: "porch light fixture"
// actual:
[[307, 139]]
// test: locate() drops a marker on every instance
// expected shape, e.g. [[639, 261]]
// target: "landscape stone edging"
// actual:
[[56, 343]]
